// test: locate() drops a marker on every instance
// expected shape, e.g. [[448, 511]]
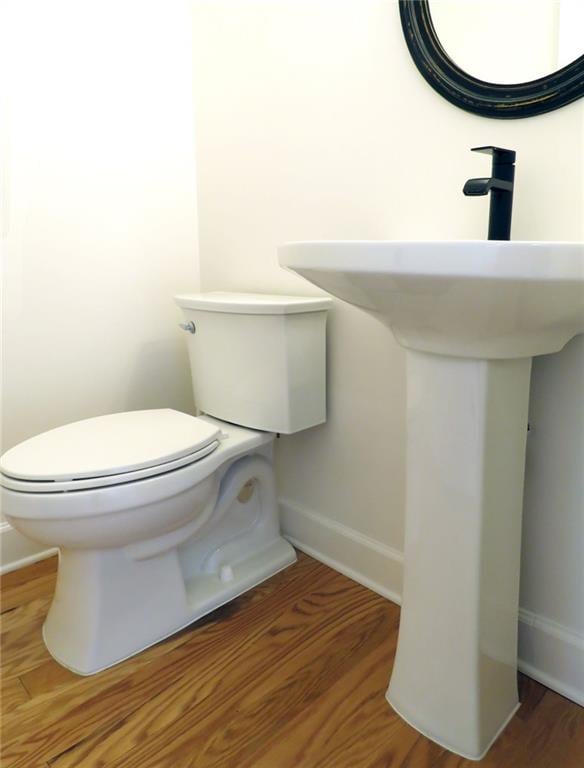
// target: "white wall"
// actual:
[[99, 217], [313, 123], [552, 576]]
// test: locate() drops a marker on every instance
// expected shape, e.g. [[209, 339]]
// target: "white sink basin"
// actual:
[[471, 315], [488, 299]]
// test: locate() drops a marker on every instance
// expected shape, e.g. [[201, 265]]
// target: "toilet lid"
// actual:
[[109, 445]]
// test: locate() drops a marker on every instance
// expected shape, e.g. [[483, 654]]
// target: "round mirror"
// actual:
[[499, 58]]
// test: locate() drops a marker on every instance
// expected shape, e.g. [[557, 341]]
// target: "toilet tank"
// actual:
[[258, 360]]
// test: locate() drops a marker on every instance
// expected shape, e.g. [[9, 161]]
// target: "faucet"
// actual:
[[500, 185]]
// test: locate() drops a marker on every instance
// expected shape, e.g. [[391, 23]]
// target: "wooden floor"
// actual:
[[291, 675]]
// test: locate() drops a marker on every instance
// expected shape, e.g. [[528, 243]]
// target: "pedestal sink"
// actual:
[[471, 315]]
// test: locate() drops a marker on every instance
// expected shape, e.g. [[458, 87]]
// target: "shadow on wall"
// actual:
[[553, 514], [161, 377]]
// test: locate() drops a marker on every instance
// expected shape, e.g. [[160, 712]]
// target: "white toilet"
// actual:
[[161, 517]]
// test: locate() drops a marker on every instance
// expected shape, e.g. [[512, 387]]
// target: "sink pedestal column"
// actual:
[[455, 672]]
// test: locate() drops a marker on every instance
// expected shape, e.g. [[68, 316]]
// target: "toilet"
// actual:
[[159, 516]]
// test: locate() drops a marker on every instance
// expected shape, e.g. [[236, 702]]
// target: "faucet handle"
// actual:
[[500, 156]]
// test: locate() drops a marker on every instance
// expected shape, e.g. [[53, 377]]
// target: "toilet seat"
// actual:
[[108, 450], [120, 478]]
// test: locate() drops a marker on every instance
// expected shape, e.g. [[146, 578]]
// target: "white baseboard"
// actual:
[[552, 654], [16, 551], [359, 557], [548, 652]]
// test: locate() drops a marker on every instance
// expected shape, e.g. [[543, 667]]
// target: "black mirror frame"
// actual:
[[504, 102]]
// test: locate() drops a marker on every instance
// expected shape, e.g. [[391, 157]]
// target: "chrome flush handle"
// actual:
[[190, 326]]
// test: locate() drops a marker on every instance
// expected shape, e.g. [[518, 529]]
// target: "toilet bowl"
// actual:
[[159, 516]]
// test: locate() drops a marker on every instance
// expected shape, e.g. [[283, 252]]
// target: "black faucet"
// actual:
[[500, 185]]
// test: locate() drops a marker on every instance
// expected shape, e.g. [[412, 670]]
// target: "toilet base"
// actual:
[[111, 603], [75, 649]]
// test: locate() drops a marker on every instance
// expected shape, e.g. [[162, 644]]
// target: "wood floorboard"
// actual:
[[46, 567], [324, 729], [12, 695], [290, 675], [223, 671], [254, 713], [48, 678], [23, 649], [31, 613], [69, 716], [21, 594]]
